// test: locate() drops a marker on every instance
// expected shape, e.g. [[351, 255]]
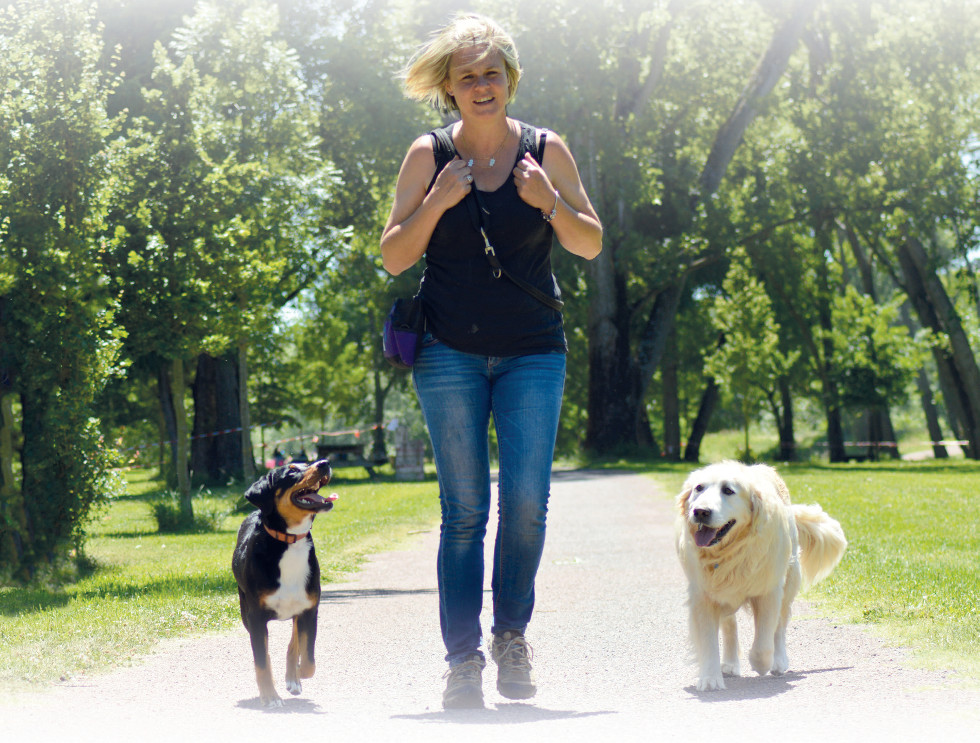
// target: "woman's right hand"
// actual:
[[453, 183], [416, 211]]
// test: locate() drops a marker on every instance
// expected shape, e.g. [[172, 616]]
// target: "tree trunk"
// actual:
[[787, 427], [932, 416], [13, 517], [216, 451], [612, 411], [379, 450], [928, 402], [244, 416], [958, 364], [880, 419], [767, 73], [179, 390], [671, 402], [169, 418], [709, 399]]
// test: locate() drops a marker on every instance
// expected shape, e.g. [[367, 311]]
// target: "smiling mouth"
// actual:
[[311, 500], [705, 536]]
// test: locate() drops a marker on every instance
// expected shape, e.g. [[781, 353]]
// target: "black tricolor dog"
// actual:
[[277, 571]]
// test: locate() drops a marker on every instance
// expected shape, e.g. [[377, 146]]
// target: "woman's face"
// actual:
[[479, 84]]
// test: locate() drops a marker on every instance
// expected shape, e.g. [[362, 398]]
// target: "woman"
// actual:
[[491, 347]]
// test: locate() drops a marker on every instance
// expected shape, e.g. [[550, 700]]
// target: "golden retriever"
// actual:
[[741, 542]]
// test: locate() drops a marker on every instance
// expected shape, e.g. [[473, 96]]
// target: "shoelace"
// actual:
[[516, 655], [469, 671]]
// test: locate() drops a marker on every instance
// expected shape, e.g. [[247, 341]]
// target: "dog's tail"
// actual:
[[822, 542]]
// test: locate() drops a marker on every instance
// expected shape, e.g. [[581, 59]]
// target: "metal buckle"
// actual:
[[490, 252]]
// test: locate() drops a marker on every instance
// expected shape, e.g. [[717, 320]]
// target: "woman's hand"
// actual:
[[533, 184], [415, 210], [453, 183], [555, 189]]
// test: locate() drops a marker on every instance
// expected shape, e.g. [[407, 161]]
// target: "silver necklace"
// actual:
[[493, 157]]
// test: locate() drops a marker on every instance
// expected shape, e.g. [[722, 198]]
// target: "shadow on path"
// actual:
[[741, 688], [346, 595], [500, 714], [290, 707]]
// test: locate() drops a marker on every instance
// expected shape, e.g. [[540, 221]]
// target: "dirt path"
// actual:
[[611, 651]]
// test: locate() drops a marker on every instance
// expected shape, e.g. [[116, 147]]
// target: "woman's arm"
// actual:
[[555, 184], [415, 213]]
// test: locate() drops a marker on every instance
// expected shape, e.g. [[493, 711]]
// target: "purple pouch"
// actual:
[[403, 331]]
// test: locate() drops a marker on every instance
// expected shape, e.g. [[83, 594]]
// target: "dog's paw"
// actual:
[[711, 683], [780, 664], [272, 702], [731, 668], [294, 687], [761, 661]]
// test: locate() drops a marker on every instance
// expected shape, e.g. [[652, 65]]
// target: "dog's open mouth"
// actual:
[[311, 500], [705, 536]]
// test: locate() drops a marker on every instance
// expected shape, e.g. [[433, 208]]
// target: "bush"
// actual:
[[207, 517]]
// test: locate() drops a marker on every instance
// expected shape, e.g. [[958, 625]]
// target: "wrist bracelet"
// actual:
[[554, 210]]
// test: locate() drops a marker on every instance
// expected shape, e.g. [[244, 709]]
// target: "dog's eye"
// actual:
[[698, 488], [728, 490]]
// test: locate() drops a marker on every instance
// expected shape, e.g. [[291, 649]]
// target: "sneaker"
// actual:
[[512, 654], [464, 687]]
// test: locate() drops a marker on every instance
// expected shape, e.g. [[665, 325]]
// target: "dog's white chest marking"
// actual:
[[294, 568]]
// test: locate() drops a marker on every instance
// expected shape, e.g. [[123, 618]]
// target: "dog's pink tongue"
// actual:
[[332, 497], [704, 535]]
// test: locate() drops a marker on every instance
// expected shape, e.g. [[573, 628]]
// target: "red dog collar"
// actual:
[[283, 537]]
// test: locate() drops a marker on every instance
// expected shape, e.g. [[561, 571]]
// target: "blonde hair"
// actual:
[[427, 73]]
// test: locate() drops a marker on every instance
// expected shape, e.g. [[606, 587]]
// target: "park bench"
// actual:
[[349, 455]]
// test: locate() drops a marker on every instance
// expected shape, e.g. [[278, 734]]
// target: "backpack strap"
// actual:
[[533, 140], [443, 150]]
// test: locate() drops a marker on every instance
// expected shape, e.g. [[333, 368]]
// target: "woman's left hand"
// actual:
[[533, 184]]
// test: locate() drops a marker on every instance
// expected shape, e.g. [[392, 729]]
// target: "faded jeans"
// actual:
[[458, 393]]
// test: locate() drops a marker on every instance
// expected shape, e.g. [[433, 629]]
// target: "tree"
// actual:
[[748, 362], [59, 340], [223, 205]]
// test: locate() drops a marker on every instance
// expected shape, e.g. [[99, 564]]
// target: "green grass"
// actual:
[[912, 567], [145, 586]]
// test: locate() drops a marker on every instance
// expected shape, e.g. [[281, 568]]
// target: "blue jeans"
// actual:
[[458, 393]]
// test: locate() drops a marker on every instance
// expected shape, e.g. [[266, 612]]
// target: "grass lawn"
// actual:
[[912, 566], [147, 586]]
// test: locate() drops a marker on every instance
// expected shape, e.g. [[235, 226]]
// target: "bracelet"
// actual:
[[554, 210]]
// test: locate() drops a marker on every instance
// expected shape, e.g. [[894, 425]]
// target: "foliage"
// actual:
[[876, 358], [748, 361], [59, 337], [256, 163], [171, 519]]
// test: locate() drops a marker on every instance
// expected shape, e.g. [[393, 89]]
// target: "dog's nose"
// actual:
[[702, 515]]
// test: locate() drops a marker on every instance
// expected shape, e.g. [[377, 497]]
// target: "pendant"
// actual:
[[469, 163], [492, 161]]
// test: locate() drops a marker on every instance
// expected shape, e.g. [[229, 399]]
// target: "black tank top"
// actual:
[[465, 306]]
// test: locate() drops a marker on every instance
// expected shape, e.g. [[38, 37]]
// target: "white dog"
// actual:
[[741, 542]]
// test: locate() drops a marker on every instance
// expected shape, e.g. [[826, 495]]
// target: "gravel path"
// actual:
[[611, 652]]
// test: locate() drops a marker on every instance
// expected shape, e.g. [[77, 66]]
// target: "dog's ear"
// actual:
[[261, 494], [762, 497], [685, 495]]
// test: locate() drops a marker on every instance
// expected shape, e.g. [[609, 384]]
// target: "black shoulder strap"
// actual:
[[442, 147], [533, 140]]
